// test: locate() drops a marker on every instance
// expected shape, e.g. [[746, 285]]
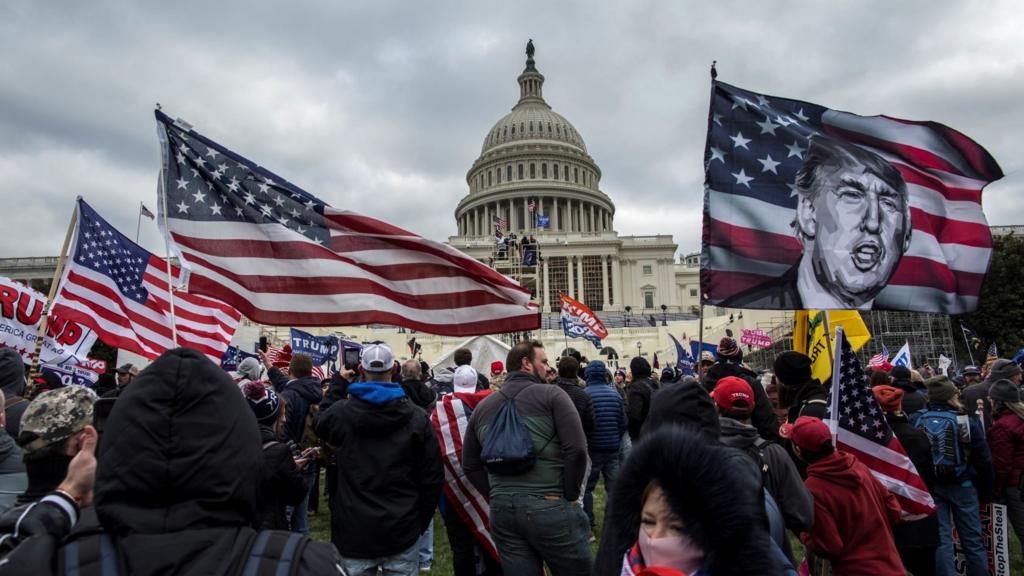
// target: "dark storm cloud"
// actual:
[[381, 107]]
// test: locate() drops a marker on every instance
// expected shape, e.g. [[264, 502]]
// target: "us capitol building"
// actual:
[[534, 156]]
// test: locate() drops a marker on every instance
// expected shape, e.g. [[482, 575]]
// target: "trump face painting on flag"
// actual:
[[853, 221]]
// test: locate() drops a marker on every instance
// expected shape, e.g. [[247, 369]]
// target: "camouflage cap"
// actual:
[[55, 415]]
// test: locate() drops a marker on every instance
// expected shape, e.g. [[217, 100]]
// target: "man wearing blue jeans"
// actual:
[[606, 439], [535, 517], [959, 490]]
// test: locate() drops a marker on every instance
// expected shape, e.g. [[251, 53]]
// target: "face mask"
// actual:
[[679, 552]]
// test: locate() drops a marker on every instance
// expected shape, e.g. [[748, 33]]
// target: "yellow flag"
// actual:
[[809, 336]]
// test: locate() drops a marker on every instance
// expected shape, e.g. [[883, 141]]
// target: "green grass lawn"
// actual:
[[321, 530]]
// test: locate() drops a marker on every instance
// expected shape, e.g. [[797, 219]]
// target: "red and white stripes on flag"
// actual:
[[97, 300], [450, 420], [283, 257], [757, 144], [531, 205], [860, 428]]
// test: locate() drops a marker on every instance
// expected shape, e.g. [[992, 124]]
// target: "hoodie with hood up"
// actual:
[[852, 515], [12, 382], [177, 480], [389, 470], [300, 394]]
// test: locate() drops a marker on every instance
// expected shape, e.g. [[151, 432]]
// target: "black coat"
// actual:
[[389, 474], [763, 417], [581, 400], [420, 394], [712, 488], [638, 405], [281, 483], [176, 479], [922, 533], [300, 394], [913, 399]]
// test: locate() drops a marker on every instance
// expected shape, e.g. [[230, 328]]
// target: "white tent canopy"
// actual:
[[485, 349]]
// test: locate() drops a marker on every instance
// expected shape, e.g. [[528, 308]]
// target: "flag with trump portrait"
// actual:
[[283, 257], [806, 207]]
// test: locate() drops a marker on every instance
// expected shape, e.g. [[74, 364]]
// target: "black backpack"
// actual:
[[508, 449], [267, 552], [756, 451]]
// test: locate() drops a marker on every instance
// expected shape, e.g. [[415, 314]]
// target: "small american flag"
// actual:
[[531, 206], [880, 358], [993, 352], [500, 224], [862, 430], [118, 289], [283, 257]]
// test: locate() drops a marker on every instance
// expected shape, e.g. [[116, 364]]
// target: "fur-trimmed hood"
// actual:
[[712, 488]]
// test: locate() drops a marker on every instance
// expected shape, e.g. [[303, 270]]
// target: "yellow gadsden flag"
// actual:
[[809, 336]]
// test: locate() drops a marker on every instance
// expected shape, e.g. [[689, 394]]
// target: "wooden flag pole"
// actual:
[[45, 317]]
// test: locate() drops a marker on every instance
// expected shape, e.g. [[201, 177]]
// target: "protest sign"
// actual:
[[757, 338], [21, 309], [995, 537], [72, 374]]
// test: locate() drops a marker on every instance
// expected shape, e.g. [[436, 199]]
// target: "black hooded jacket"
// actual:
[[390, 473], [300, 394], [763, 417], [177, 480], [708, 486], [281, 482], [12, 382]]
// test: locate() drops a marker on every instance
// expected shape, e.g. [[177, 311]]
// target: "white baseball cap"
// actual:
[[465, 379], [377, 358]]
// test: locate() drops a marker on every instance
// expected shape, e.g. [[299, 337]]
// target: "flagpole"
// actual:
[[167, 251], [44, 319], [834, 392], [138, 226], [966, 343], [700, 338]]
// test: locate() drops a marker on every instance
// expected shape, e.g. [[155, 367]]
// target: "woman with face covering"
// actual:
[[683, 505]]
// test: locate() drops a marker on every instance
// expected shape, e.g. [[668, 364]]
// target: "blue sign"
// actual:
[[322, 349], [543, 221], [697, 347], [233, 356], [71, 374]]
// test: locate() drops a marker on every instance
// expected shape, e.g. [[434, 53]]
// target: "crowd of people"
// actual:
[[183, 468]]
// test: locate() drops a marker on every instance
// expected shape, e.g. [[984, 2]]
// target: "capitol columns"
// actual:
[[544, 286], [619, 300], [569, 273], [604, 282], [582, 279]]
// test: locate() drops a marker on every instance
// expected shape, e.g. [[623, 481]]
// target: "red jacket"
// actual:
[[1006, 440], [852, 514]]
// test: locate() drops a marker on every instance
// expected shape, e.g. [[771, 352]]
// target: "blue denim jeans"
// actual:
[[958, 504], [299, 514], [402, 564], [425, 547], [530, 531], [606, 463]]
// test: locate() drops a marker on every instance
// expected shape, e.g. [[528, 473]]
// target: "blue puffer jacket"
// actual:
[[609, 410]]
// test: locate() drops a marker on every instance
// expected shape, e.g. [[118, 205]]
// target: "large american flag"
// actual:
[[862, 430], [757, 143], [450, 420], [120, 290], [283, 257]]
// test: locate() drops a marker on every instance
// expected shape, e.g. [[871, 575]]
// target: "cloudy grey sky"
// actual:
[[381, 107]]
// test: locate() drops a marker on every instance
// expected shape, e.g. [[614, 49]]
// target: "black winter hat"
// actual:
[[1004, 391], [640, 367], [900, 373], [792, 368], [1003, 369], [684, 404]]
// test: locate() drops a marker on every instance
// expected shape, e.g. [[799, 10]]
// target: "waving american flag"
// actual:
[[861, 429], [284, 257], [120, 290]]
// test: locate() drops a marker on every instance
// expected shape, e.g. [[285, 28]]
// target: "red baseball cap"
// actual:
[[809, 433], [497, 367], [733, 394]]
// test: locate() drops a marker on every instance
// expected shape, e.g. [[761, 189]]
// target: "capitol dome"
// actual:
[[533, 155]]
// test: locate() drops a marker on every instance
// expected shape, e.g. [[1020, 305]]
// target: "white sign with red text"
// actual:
[[20, 311]]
